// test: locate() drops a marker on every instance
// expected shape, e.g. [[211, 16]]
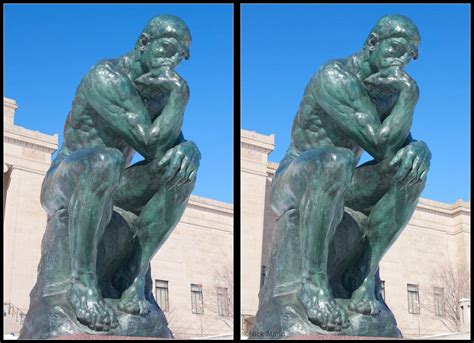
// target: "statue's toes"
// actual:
[[144, 307], [134, 306], [131, 307], [124, 306], [327, 318], [102, 318], [365, 306], [342, 318], [337, 319], [318, 317], [374, 308]]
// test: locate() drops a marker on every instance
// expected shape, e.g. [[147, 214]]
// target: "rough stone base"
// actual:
[[284, 317], [339, 338], [84, 337], [56, 321]]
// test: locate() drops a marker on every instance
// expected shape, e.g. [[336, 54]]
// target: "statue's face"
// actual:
[[394, 51], [166, 51]]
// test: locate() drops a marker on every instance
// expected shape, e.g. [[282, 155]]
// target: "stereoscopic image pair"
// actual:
[[131, 243]]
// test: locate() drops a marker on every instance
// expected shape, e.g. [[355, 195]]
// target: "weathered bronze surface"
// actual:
[[107, 218], [337, 220]]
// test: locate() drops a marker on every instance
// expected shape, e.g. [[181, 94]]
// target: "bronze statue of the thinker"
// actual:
[[336, 219], [107, 218]]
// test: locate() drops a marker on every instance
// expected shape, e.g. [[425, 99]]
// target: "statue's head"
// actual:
[[393, 41], [165, 41]]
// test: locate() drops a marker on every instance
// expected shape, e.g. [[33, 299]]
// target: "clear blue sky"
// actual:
[[49, 48], [283, 45]]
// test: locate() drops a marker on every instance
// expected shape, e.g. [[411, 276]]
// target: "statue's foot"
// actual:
[[363, 301], [133, 300], [90, 309], [321, 308]]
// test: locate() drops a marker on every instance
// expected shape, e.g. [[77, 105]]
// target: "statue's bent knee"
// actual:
[[107, 160]]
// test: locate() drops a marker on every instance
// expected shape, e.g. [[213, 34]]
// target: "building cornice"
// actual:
[[447, 210], [211, 206], [30, 170], [31, 145], [256, 141], [255, 147], [10, 103], [271, 168]]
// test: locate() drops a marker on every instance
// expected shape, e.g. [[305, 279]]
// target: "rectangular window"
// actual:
[[197, 305], [162, 297], [382, 289], [413, 299], [222, 308], [439, 301], [263, 273]]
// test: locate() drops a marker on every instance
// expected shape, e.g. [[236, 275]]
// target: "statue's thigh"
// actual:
[[371, 181], [90, 169], [142, 181], [330, 166]]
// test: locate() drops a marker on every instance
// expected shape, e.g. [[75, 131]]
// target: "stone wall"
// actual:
[[27, 157], [254, 158]]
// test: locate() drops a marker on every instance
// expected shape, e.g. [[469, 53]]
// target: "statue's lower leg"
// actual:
[[321, 211], [156, 222], [86, 226], [386, 222]]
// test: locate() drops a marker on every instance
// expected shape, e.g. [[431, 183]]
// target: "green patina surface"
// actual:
[[107, 218], [337, 220]]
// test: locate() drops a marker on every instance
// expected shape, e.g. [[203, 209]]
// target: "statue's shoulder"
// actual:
[[106, 81], [334, 70], [106, 72], [332, 74]]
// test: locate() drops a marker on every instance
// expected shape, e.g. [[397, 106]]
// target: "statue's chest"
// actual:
[[154, 98], [384, 103], [155, 105]]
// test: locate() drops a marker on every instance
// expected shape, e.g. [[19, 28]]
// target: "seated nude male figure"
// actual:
[[365, 102], [133, 103]]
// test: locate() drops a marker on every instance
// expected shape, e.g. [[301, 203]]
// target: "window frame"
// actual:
[[222, 304], [415, 295], [197, 299], [382, 289], [439, 303], [166, 308]]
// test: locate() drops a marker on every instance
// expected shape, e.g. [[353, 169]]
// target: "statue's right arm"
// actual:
[[343, 98], [115, 99]]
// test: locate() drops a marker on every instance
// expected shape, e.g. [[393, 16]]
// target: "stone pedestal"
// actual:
[[84, 337], [338, 338]]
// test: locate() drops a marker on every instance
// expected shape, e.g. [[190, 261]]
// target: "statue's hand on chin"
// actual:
[[164, 79]]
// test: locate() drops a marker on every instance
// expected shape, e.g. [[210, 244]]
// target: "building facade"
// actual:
[[192, 272], [437, 237]]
